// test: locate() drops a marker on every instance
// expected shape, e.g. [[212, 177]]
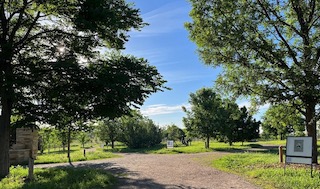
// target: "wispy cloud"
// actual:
[[160, 109], [178, 79], [164, 19]]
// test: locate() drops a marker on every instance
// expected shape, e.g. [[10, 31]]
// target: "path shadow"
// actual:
[[251, 148], [129, 179], [126, 178]]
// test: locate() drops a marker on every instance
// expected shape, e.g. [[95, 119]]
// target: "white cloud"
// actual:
[[247, 104], [160, 109]]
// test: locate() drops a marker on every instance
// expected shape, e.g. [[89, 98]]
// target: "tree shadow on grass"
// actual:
[[130, 179], [250, 148], [71, 178]]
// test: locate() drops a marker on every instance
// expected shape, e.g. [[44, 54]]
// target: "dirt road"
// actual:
[[154, 171]]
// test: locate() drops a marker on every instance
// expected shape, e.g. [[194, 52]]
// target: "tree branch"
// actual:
[[25, 37], [19, 22], [291, 52], [313, 7], [4, 22]]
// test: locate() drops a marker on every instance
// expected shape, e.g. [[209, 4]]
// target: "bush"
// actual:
[[139, 132]]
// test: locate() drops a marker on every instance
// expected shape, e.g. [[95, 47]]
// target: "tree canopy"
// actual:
[[51, 64], [284, 119], [211, 116], [137, 131], [205, 116], [269, 50]]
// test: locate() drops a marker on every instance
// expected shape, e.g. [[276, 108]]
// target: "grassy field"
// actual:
[[59, 178], [252, 160], [76, 155], [196, 147], [264, 170], [56, 155]]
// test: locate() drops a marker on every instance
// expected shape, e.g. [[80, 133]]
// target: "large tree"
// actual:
[[269, 50], [42, 42]]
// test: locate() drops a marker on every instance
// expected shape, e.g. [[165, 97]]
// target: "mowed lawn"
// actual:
[[251, 160]]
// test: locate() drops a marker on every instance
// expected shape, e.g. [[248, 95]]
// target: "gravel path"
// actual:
[[154, 171]]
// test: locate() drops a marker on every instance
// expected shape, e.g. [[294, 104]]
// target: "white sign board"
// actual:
[[170, 144], [299, 150]]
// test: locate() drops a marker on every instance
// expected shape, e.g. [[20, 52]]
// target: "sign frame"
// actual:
[[299, 151], [170, 143]]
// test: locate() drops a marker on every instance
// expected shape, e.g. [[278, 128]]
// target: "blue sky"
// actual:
[[165, 44]]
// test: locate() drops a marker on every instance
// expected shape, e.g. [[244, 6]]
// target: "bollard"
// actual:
[[280, 154], [31, 166]]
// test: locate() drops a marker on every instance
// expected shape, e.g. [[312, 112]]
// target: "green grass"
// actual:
[[264, 170], [273, 142], [76, 155], [196, 147], [58, 178]]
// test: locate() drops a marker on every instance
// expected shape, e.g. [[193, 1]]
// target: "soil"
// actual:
[[164, 171]]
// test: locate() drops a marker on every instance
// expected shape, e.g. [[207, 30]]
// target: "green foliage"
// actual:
[[264, 170], [282, 119], [83, 137], [52, 71], [173, 132], [248, 128], [59, 178], [229, 116], [138, 131], [269, 51], [211, 116], [204, 118], [108, 130], [48, 139]]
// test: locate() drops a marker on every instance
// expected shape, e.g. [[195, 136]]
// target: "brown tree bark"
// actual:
[[69, 141], [4, 136], [207, 142], [311, 129]]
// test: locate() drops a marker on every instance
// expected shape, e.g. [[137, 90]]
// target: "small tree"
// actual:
[[108, 130], [83, 137], [229, 116], [204, 118], [49, 138]]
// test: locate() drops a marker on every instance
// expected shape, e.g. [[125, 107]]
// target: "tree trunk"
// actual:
[[311, 129], [31, 166], [5, 136], [69, 141], [207, 142], [112, 144]]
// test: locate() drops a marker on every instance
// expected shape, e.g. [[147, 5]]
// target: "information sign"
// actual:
[[170, 144], [299, 150]]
